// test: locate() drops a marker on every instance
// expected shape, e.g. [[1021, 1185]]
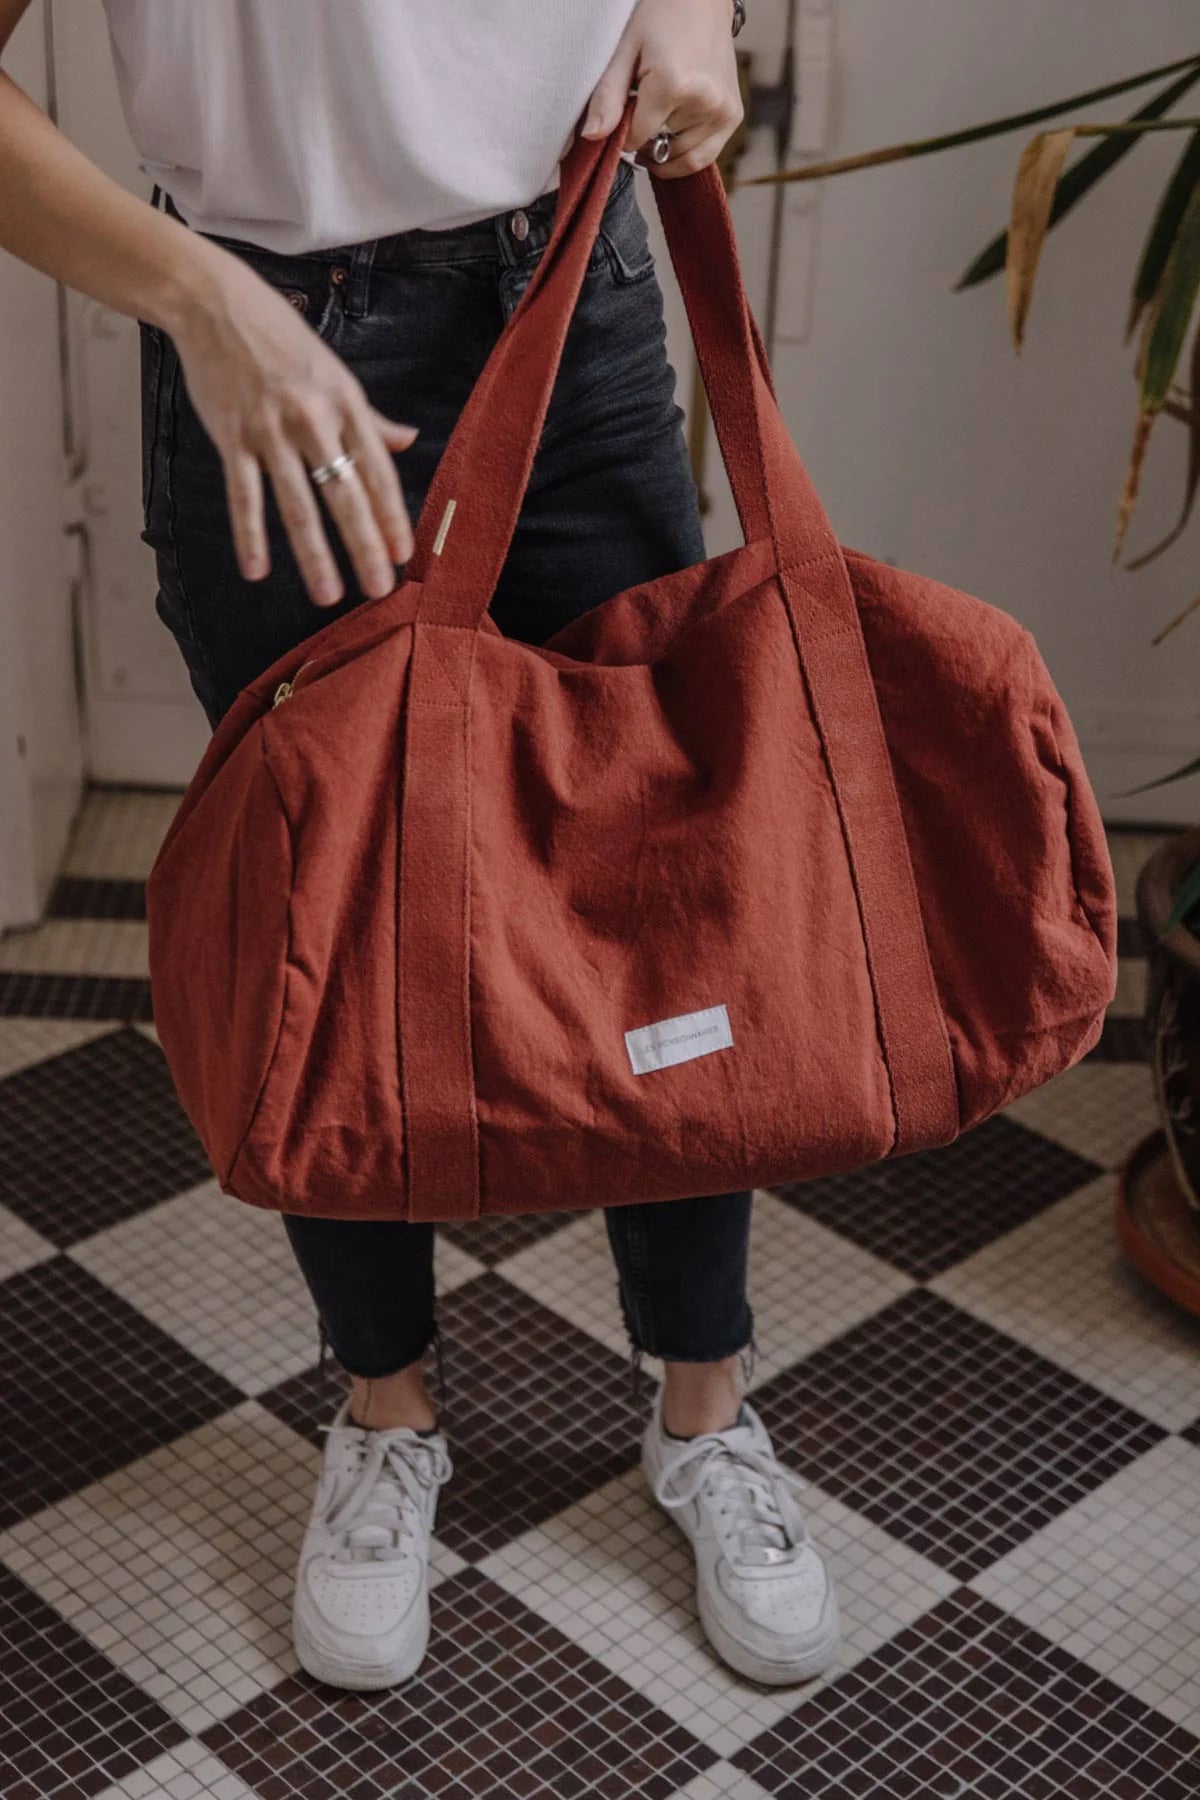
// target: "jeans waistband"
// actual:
[[513, 236]]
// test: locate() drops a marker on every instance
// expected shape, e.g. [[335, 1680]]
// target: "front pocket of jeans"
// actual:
[[625, 239], [624, 272], [307, 286]]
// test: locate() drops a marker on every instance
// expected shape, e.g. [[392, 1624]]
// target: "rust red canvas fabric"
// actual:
[[823, 823]]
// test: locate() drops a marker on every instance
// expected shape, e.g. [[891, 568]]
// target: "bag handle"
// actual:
[[463, 536], [771, 487], [471, 509]]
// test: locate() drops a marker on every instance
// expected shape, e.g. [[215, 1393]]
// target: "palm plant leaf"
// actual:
[[1033, 199], [1185, 899], [1166, 332], [974, 134], [1191, 480], [1083, 175], [1172, 624], [1188, 768], [1163, 229], [1173, 310]]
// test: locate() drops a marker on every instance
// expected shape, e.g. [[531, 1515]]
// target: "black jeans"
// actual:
[[611, 503]]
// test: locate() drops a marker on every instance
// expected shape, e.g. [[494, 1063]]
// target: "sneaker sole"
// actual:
[[354, 1676]]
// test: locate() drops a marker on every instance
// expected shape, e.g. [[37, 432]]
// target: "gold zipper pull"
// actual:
[[286, 689]]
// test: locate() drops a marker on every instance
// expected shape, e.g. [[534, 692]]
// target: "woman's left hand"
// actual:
[[679, 55]]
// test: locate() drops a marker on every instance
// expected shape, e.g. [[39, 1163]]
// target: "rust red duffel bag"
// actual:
[[775, 867]]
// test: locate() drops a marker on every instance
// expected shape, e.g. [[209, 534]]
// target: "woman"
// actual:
[[353, 200]]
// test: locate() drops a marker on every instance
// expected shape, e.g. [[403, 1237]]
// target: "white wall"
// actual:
[[40, 755], [144, 724], [931, 443]]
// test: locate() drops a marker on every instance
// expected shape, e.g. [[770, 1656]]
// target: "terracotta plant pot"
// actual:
[[1158, 1195]]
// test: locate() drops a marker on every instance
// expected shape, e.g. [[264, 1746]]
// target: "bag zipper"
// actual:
[[286, 689]]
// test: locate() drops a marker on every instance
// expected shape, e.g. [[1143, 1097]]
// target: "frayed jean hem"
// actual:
[[746, 1352]]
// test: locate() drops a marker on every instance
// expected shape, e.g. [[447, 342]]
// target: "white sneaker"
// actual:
[[766, 1600], [360, 1616]]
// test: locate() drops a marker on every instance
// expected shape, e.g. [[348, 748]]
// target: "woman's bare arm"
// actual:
[[271, 395], [60, 213]]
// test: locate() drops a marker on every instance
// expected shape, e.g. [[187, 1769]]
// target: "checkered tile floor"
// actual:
[[999, 1422]]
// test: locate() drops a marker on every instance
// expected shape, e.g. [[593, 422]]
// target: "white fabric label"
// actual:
[[671, 1041]]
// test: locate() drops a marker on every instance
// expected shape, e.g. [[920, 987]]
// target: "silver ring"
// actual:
[[660, 149], [337, 470]]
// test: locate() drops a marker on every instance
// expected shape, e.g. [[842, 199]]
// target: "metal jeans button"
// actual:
[[519, 226]]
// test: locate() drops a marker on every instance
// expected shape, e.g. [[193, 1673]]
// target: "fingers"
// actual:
[[244, 496], [301, 515], [373, 436], [366, 505], [701, 115], [348, 497], [657, 98], [690, 152], [611, 91], [682, 66], [395, 435]]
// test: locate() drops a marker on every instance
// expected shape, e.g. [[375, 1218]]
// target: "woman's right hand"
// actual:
[[277, 402]]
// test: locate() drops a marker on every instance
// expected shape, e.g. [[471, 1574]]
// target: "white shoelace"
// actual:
[[757, 1521], [376, 1515]]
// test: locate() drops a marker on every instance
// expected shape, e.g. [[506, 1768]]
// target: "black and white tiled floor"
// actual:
[[999, 1422]]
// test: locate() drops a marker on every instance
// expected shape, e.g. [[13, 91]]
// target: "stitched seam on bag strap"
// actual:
[[449, 676], [398, 956], [906, 873], [469, 1036], [852, 867], [833, 556], [798, 563], [410, 848]]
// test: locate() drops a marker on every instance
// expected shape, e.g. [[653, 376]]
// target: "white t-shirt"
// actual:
[[299, 124]]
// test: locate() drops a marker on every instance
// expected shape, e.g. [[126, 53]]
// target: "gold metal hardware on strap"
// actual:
[[444, 527]]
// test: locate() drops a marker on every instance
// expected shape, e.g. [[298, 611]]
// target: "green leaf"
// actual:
[[1173, 310], [1142, 428], [1188, 768], [1165, 332], [1186, 897], [1163, 230], [1191, 480], [1083, 175], [973, 134]]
